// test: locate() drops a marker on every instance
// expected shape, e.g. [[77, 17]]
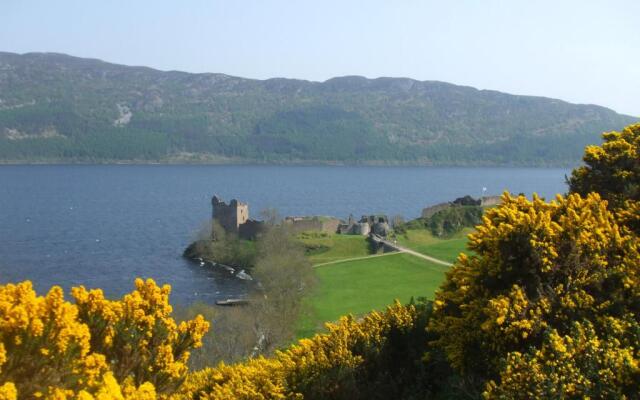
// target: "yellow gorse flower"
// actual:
[[289, 373], [54, 349], [538, 268]]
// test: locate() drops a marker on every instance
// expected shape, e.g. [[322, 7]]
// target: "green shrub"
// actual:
[[452, 220]]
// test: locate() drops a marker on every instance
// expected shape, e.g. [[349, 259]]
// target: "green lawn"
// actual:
[[327, 248], [423, 242], [358, 287]]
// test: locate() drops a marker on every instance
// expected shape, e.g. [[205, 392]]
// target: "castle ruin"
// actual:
[[378, 224], [230, 216], [234, 218]]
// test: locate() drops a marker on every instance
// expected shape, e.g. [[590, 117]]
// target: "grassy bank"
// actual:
[[360, 286], [322, 248]]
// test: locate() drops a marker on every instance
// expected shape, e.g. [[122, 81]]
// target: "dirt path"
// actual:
[[399, 249], [354, 259], [414, 253], [424, 256]]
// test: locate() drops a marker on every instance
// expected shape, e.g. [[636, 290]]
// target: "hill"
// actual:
[[58, 108]]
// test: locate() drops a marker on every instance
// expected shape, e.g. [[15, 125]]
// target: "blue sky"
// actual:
[[581, 51]]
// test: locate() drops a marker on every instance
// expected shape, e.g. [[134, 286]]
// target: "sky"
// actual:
[[584, 51]]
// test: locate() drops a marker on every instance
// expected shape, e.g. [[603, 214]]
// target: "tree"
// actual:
[[271, 217], [232, 339], [284, 276], [397, 221]]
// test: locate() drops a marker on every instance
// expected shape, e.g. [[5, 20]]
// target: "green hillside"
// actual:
[[58, 108]]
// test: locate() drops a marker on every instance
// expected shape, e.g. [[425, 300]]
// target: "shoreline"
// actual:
[[292, 163]]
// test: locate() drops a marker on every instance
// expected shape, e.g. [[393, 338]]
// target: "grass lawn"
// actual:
[[321, 249], [423, 242], [358, 287]]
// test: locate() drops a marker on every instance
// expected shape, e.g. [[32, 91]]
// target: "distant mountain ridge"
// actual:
[[59, 108]]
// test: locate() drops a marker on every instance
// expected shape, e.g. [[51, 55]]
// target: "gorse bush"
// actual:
[[538, 270], [341, 364], [580, 364], [99, 348], [613, 169], [354, 360], [138, 336], [547, 307], [43, 344]]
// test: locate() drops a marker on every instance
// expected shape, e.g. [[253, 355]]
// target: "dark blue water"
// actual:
[[102, 226]]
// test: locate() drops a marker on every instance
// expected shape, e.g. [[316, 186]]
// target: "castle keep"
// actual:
[[230, 216], [234, 218]]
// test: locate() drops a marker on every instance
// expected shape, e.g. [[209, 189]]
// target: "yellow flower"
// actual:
[[81, 350], [8, 391], [279, 377]]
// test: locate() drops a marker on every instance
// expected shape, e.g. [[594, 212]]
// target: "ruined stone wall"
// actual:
[[374, 219], [354, 228], [362, 228], [312, 224], [330, 226], [298, 225], [488, 201], [251, 229]]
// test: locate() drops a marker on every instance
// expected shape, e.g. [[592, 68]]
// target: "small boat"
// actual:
[[232, 302]]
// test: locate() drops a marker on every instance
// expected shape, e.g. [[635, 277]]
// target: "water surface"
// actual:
[[102, 226]]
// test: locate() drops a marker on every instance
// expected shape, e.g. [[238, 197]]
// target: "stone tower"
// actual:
[[230, 216]]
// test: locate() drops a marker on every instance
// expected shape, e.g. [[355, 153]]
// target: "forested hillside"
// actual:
[[58, 108]]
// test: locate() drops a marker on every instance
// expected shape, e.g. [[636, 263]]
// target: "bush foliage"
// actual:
[[613, 169], [365, 359], [544, 274], [448, 222], [95, 348]]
